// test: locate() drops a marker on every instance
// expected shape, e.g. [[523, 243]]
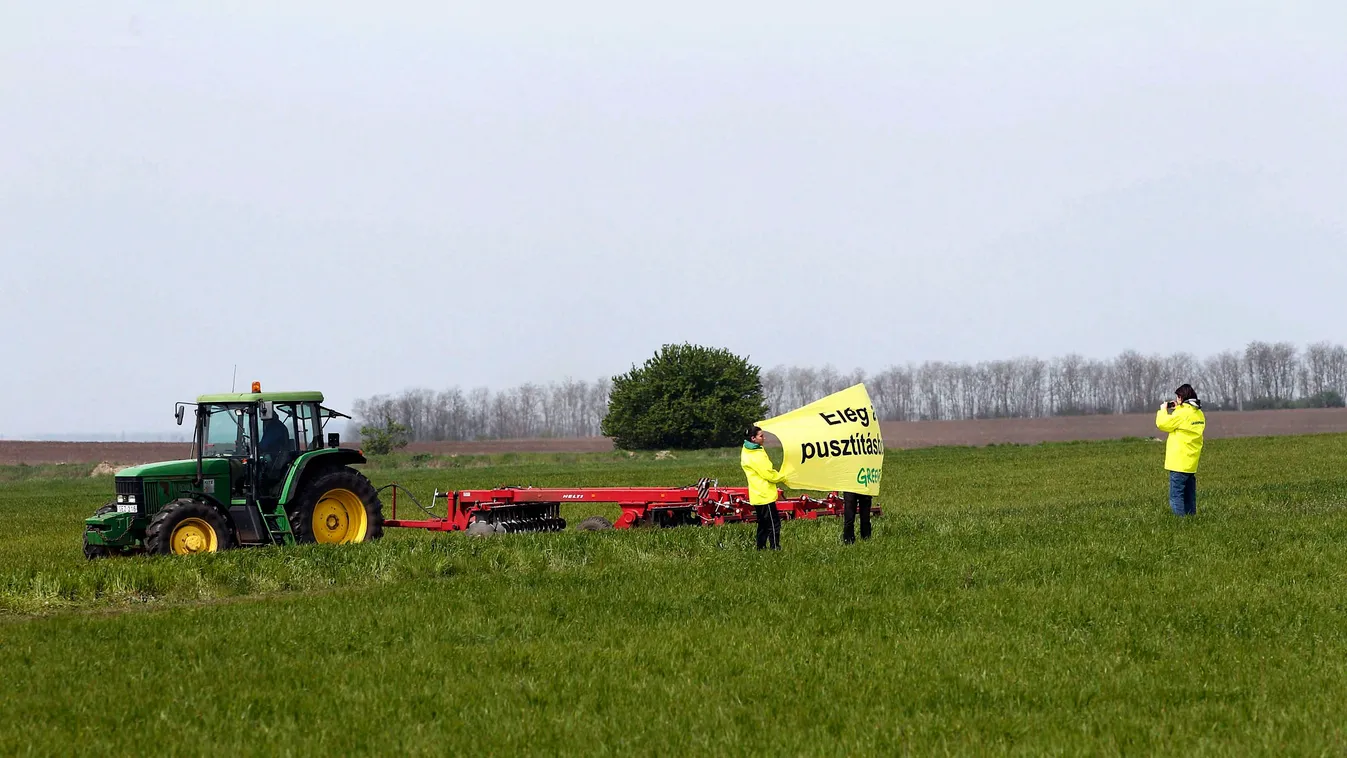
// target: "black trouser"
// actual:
[[769, 526], [849, 502]]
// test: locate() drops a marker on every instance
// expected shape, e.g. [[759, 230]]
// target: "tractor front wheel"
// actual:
[[187, 527], [94, 552], [337, 508]]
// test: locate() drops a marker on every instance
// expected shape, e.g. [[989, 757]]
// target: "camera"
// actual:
[[1169, 405]]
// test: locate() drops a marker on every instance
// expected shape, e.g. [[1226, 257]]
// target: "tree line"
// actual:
[[570, 408], [1261, 376]]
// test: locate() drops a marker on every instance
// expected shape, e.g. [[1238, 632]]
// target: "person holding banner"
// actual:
[[834, 444], [762, 481], [851, 501]]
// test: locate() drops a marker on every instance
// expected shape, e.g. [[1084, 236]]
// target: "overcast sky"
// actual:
[[365, 197]]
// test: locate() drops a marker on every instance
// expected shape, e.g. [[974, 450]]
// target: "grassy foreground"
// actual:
[[1022, 600]]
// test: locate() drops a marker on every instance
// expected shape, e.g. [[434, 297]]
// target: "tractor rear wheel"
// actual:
[[594, 524], [336, 508], [187, 527], [93, 552]]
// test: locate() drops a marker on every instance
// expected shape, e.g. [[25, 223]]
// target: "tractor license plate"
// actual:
[[126, 507]]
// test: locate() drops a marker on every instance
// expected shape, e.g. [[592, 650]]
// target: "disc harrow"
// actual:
[[538, 509]]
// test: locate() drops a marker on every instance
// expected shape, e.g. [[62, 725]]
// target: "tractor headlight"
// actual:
[[121, 498]]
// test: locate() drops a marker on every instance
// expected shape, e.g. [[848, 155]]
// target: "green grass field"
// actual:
[[1027, 600]]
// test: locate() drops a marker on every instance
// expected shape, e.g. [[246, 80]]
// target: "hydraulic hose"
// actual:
[[399, 488]]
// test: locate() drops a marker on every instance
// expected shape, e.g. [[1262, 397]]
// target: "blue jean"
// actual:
[[1183, 493]]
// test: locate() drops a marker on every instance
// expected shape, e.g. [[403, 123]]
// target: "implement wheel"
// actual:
[[481, 529], [187, 527], [337, 508], [594, 524]]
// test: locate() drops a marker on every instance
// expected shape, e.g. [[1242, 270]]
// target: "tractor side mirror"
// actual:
[[177, 413], [266, 410], [333, 439]]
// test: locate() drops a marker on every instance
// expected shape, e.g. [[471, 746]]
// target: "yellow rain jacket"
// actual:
[[762, 478], [1185, 426]]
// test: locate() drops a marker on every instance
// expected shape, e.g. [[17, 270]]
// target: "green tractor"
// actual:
[[262, 474]]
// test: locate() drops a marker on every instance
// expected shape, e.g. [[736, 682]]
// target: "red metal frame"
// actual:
[[703, 503]]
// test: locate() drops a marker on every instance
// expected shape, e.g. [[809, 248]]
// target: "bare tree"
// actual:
[[1001, 386], [1336, 373], [973, 391], [930, 384], [1102, 391], [598, 405], [1182, 368], [1068, 385], [479, 413], [1139, 379], [893, 393], [1321, 362], [951, 380], [1030, 388], [1271, 370], [1222, 381], [774, 390]]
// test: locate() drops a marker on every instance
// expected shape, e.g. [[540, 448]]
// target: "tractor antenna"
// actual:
[[233, 378]]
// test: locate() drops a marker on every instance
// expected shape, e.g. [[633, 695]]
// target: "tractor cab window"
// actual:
[[325, 415], [293, 430], [279, 433], [228, 434], [281, 442], [306, 428]]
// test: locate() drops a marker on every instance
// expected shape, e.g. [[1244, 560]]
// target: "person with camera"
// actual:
[[762, 481], [1183, 420]]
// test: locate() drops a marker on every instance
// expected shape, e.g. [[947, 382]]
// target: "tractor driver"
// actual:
[[275, 437], [274, 449]]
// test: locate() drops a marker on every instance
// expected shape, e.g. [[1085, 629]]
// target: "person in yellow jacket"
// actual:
[[1183, 420], [762, 481]]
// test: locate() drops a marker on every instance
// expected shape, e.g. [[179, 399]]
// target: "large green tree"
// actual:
[[685, 397]]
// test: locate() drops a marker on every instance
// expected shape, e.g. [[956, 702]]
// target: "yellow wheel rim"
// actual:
[[192, 535], [339, 516]]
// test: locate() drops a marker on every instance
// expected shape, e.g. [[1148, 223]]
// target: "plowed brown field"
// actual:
[[896, 435]]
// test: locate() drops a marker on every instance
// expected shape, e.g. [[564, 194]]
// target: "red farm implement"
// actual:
[[538, 509]]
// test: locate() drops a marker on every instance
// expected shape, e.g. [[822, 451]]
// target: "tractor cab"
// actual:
[[261, 438], [263, 472]]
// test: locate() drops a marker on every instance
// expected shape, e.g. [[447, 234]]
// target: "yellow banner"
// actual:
[[832, 444]]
